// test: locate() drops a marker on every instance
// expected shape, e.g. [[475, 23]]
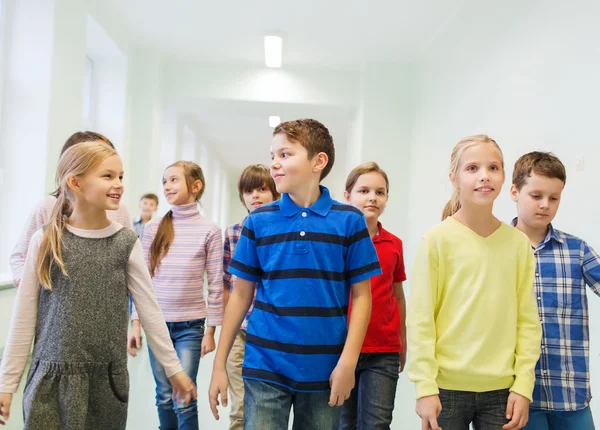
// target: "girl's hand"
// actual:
[[218, 386], [429, 409], [133, 342], [183, 388], [208, 344], [517, 411], [5, 401]]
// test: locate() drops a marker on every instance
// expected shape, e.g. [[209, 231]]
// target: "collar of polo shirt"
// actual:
[[320, 207]]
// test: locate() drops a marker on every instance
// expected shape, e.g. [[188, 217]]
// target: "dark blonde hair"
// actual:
[[166, 233], [256, 176], [313, 136], [150, 196], [453, 204], [540, 163], [363, 169], [75, 161]]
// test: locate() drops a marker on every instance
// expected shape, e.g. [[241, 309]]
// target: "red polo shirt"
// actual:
[[383, 333]]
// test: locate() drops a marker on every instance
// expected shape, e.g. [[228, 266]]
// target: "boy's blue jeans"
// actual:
[[267, 407], [371, 403], [187, 340], [560, 420]]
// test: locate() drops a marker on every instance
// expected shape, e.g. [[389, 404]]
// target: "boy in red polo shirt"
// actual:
[[383, 353]]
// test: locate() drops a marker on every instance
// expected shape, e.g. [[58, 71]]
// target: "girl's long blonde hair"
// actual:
[[75, 161], [453, 204], [165, 233]]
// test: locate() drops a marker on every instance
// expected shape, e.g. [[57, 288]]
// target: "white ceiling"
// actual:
[[240, 133], [332, 33]]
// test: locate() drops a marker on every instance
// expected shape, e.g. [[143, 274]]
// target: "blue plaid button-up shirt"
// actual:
[[565, 264]]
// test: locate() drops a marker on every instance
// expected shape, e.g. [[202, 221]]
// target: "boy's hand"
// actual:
[[5, 401], [342, 383], [208, 344], [517, 411], [133, 342], [218, 385], [183, 388], [429, 409]]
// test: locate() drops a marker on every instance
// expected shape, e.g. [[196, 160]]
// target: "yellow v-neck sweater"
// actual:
[[472, 317]]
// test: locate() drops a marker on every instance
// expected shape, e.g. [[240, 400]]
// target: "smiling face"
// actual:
[[369, 194], [291, 168], [480, 175], [257, 197], [538, 200], [176, 188], [102, 186]]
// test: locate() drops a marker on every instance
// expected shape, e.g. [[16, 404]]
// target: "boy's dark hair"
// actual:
[[256, 176], [85, 136], [150, 196], [313, 136], [540, 163]]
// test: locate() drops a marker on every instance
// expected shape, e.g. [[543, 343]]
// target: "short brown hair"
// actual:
[[313, 136], [256, 176], [85, 136], [540, 163], [363, 169], [150, 196]]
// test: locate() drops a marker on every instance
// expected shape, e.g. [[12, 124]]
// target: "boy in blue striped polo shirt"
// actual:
[[565, 265], [304, 253]]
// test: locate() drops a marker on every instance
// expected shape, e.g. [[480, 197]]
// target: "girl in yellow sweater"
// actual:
[[473, 327]]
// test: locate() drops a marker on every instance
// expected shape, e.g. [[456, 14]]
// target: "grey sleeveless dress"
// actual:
[[78, 377]]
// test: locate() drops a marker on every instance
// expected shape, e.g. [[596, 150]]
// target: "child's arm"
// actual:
[[399, 295], [239, 303], [590, 267], [342, 377], [35, 221], [529, 337], [142, 292], [226, 274], [421, 332], [214, 270], [22, 327]]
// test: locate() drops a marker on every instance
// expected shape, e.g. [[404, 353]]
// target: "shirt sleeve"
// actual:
[[420, 320], [591, 268], [227, 260], [245, 263], [400, 272], [23, 322], [147, 238], [35, 221], [529, 329], [361, 259], [150, 315], [214, 272]]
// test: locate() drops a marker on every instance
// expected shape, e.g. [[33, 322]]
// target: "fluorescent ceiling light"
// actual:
[[274, 121], [273, 46]]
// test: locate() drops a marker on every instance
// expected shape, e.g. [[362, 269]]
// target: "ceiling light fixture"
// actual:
[[273, 47], [274, 121]]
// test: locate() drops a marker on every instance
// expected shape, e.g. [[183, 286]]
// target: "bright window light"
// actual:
[[273, 46], [274, 121]]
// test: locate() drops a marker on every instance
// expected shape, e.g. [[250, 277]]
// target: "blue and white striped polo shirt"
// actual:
[[304, 261]]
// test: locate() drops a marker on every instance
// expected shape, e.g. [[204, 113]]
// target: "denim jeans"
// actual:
[[187, 340], [371, 402], [487, 411], [560, 420], [267, 407]]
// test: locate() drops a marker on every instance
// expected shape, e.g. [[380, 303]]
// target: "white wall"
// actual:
[[526, 73]]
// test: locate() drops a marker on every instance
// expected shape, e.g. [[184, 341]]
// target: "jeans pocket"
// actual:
[[447, 399], [119, 383]]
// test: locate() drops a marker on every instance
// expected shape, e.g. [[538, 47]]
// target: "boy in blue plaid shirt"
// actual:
[[565, 265]]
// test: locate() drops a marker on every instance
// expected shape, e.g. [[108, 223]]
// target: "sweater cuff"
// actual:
[[426, 388], [523, 387]]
